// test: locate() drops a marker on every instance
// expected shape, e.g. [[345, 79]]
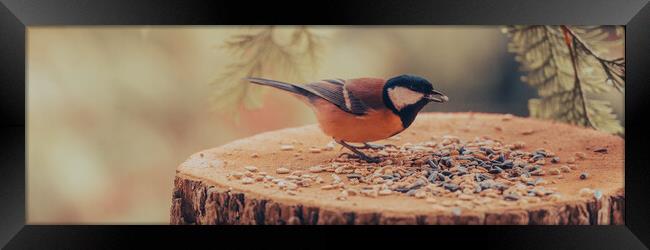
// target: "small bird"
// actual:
[[363, 110]]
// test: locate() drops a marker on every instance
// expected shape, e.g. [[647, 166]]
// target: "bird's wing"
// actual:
[[337, 92], [355, 96], [368, 90]]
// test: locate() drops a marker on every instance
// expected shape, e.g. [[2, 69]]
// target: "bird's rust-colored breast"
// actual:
[[375, 125]]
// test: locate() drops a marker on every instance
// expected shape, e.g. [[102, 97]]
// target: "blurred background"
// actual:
[[113, 110]]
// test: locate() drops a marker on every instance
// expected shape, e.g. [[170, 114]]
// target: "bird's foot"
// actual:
[[363, 157], [358, 154], [370, 159]]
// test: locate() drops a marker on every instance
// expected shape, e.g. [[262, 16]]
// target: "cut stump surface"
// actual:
[[205, 194]]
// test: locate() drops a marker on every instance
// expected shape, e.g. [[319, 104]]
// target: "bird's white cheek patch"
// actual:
[[402, 97]]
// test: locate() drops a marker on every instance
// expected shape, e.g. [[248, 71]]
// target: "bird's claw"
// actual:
[[358, 154], [366, 158], [371, 159]]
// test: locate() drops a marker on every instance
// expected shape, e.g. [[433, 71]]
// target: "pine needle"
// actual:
[[259, 55], [565, 64]]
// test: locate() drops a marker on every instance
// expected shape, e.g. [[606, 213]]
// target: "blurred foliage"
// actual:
[[566, 65], [260, 54]]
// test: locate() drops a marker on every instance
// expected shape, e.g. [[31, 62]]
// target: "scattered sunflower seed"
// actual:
[[316, 169], [555, 197], [518, 145], [571, 160], [251, 168], [282, 170], [538, 172], [385, 192], [565, 169], [511, 197], [330, 146], [555, 160], [586, 192], [291, 186], [343, 195], [601, 150], [370, 193], [528, 132], [451, 187], [237, 175], [247, 180]]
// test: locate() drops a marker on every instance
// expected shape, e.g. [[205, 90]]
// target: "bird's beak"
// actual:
[[437, 96]]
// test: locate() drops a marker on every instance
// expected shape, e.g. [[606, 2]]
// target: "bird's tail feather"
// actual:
[[276, 84]]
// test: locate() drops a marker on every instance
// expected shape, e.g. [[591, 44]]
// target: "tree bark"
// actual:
[[196, 202]]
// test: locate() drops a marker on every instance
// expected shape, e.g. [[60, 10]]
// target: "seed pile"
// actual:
[[444, 171]]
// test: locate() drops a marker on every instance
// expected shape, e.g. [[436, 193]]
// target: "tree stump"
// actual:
[[205, 194]]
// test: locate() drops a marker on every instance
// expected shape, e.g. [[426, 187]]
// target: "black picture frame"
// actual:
[[18, 15]]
